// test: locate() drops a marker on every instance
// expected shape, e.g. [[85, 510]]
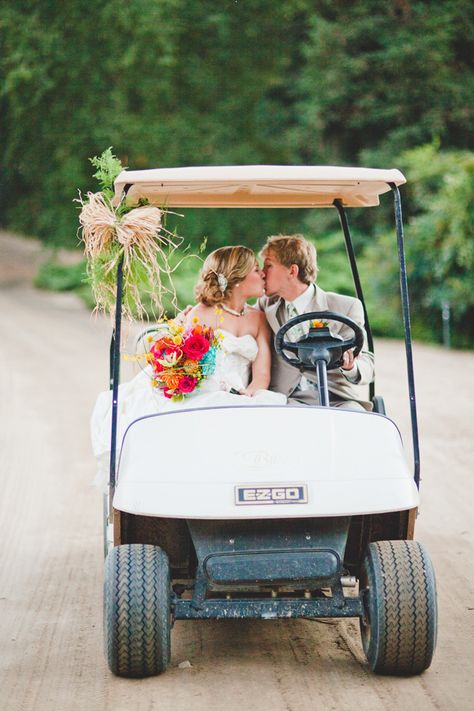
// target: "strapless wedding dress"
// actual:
[[138, 398]]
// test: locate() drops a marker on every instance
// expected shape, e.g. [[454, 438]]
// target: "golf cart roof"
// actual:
[[256, 186]]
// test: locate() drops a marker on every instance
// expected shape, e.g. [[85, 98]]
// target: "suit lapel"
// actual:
[[272, 315], [319, 301]]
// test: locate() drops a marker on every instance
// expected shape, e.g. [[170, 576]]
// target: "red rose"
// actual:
[[187, 384], [196, 346]]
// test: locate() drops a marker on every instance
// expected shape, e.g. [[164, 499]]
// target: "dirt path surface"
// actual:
[[53, 361]]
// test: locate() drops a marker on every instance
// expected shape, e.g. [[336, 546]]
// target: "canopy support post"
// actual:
[[407, 329], [115, 379], [355, 276]]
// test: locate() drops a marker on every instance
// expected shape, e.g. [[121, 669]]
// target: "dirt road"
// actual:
[[53, 361]]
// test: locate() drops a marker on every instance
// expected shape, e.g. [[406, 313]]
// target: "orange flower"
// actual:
[[162, 343], [191, 366], [170, 379], [319, 324]]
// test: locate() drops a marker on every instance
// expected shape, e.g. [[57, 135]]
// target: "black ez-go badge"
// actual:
[[275, 494]]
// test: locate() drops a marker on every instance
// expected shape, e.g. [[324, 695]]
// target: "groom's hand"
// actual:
[[181, 317], [348, 360]]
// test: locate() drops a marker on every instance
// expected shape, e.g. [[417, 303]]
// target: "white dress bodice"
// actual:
[[234, 363]]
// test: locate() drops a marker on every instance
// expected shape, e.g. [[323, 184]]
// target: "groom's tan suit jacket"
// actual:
[[286, 379]]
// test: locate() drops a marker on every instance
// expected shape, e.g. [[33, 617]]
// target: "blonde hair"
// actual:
[[232, 263], [294, 249]]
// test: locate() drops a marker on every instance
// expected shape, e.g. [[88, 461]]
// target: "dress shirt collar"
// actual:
[[302, 301]]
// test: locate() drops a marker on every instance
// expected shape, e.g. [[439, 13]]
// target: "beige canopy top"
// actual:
[[256, 186]]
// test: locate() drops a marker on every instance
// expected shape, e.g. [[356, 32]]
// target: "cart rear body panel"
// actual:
[[347, 463]]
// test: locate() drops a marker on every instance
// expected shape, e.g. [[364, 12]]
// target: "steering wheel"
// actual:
[[319, 344]]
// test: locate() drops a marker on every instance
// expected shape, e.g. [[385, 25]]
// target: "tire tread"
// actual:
[[402, 608], [137, 610]]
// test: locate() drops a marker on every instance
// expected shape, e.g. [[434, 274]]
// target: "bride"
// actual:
[[229, 277]]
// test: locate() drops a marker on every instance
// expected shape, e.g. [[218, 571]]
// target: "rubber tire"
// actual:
[[400, 626], [137, 614]]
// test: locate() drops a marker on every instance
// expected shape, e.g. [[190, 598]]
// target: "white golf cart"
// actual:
[[282, 530]]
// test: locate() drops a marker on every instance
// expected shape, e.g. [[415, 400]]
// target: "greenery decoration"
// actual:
[[135, 235], [108, 168]]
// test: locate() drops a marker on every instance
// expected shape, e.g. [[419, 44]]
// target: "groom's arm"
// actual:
[[359, 370], [362, 371]]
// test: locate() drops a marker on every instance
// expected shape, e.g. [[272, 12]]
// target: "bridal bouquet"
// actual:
[[182, 358]]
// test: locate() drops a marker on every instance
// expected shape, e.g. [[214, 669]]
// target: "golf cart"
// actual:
[[282, 530]]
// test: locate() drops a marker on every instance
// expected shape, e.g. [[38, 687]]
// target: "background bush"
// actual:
[[174, 83]]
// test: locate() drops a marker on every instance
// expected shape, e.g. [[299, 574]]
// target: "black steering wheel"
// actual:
[[319, 344]]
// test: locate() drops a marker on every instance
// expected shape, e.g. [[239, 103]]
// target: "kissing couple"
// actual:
[[284, 288]]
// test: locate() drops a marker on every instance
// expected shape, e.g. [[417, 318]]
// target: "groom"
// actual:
[[290, 270]]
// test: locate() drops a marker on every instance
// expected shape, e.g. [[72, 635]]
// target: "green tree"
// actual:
[[173, 83], [381, 77], [439, 244], [166, 83], [60, 102]]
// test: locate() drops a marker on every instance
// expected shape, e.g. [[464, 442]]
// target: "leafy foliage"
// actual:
[[379, 78], [61, 277], [108, 168], [441, 235], [300, 81], [439, 245]]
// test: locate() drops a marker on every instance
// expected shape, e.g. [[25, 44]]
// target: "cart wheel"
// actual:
[[137, 615], [399, 591]]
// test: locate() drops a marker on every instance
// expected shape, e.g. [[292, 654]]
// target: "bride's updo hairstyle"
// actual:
[[222, 270]]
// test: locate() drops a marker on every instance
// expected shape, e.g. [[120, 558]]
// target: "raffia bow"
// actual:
[[146, 246]]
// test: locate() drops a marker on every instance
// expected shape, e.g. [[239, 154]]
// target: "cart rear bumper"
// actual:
[[268, 609]]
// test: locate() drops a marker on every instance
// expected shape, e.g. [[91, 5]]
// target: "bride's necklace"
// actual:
[[233, 311]]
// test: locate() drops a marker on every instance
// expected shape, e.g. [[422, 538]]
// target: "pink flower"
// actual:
[[196, 346], [187, 384]]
